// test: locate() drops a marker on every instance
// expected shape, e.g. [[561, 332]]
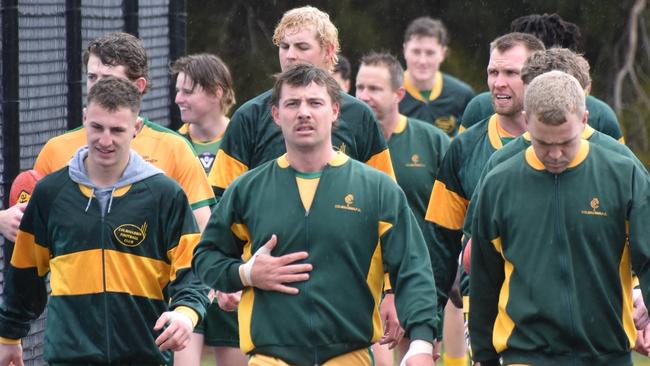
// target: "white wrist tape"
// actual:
[[246, 268], [636, 293], [417, 347]]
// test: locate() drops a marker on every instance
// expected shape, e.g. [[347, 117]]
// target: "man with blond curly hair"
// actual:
[[304, 35]]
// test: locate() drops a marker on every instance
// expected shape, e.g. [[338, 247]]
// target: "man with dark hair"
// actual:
[[416, 150], [554, 32], [469, 151], [343, 224], [343, 73], [552, 278], [123, 55], [551, 29], [204, 95], [431, 95], [116, 236], [304, 35]]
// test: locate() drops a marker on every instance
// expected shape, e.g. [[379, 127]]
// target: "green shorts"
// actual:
[[219, 328]]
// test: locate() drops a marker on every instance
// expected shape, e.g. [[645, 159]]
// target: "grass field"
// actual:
[[208, 360]]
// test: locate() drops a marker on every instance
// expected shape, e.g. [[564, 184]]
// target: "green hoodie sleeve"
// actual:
[[639, 230], [25, 294], [487, 276], [182, 233], [410, 271], [218, 256]]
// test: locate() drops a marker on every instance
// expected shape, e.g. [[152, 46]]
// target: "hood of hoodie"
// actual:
[[136, 170]]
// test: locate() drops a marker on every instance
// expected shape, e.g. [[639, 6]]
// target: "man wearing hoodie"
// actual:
[[116, 236]]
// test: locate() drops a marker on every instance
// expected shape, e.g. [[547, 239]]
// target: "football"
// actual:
[[23, 186], [467, 252]]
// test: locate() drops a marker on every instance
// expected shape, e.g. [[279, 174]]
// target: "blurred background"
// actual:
[[615, 41]]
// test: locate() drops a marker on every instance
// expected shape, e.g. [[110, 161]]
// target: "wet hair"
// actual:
[[209, 72], [427, 27], [561, 59], [510, 40], [297, 19], [553, 95], [303, 75], [113, 93], [551, 29], [388, 61], [120, 49]]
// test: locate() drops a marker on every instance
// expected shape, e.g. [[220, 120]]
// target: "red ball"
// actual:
[[467, 253], [23, 186]]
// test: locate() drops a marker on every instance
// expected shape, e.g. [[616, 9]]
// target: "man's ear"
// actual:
[[138, 124], [523, 114], [275, 115], [141, 84], [336, 108], [400, 92]]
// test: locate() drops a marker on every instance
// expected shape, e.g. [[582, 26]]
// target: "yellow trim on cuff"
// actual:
[[191, 313], [9, 341]]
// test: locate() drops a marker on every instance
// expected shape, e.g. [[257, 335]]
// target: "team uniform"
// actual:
[[523, 142], [601, 115], [454, 185], [117, 258], [206, 151], [354, 222], [551, 277], [217, 324], [252, 138], [444, 105], [158, 145], [416, 150]]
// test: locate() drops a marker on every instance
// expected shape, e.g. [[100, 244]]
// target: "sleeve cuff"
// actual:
[[388, 288], [193, 315], [9, 341], [423, 332]]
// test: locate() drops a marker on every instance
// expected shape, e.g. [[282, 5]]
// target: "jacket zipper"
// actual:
[[564, 266], [106, 323]]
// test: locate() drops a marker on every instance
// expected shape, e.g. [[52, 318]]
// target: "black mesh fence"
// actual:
[[44, 81]]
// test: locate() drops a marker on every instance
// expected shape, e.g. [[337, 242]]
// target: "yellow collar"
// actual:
[[338, 160], [536, 164], [401, 124], [88, 191], [415, 93], [493, 132]]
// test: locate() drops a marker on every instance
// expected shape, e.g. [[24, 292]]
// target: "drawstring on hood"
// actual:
[[136, 170]]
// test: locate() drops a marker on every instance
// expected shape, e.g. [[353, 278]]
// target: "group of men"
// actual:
[[337, 224]]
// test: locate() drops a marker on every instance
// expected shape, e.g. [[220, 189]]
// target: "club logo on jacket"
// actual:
[[415, 162], [447, 123], [130, 235], [595, 205], [349, 204], [342, 147]]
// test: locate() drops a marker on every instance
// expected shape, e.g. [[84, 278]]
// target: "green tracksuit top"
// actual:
[[551, 276], [454, 185], [359, 225], [252, 138], [111, 276], [416, 151], [601, 115], [523, 142], [445, 104]]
